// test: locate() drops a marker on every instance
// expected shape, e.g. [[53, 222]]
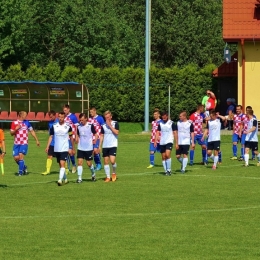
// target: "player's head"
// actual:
[[200, 108], [248, 108], [156, 114], [93, 111], [22, 115], [249, 112], [61, 117], [183, 116], [52, 114], [213, 114], [239, 109], [208, 92], [164, 115], [66, 109], [107, 115], [83, 118]]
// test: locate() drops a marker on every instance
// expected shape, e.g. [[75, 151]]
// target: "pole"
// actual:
[[147, 63], [169, 101]]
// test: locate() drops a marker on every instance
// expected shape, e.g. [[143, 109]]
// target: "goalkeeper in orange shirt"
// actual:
[[2, 150]]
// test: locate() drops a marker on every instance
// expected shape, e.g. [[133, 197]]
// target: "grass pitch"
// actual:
[[202, 214]]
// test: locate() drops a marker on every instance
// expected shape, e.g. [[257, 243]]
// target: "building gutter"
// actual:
[[243, 73]]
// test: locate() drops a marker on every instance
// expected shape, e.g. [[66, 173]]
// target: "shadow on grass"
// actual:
[[3, 186]]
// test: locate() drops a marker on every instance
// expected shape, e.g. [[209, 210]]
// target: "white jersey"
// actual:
[[184, 130], [166, 129], [252, 137], [110, 139], [61, 134], [85, 133], [214, 127]]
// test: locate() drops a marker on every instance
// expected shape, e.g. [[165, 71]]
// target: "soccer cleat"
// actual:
[[93, 178], [182, 171], [191, 164], [78, 181], [150, 166], [59, 182], [25, 170], [66, 181], [113, 177], [74, 169], [107, 179], [45, 173], [241, 158], [98, 167], [245, 165], [253, 158], [233, 158], [168, 173], [214, 167], [219, 162], [258, 164]]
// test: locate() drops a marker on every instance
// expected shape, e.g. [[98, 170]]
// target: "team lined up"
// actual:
[[188, 132]]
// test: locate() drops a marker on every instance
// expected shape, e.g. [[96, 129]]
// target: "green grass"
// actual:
[[202, 214]]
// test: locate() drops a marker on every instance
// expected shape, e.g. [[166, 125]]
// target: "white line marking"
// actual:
[[140, 214]]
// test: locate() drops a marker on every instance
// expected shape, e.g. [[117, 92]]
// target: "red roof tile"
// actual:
[[241, 19], [227, 69]]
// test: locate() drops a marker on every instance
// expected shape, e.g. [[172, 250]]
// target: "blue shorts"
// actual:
[[243, 139], [154, 149], [236, 138], [96, 145], [197, 139], [20, 148]]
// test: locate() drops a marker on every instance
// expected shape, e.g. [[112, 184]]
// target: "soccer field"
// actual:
[[202, 214]]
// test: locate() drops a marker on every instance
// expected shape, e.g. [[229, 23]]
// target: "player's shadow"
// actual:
[[53, 172], [17, 174], [3, 186]]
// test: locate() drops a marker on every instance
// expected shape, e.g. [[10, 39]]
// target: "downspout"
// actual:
[[243, 73]]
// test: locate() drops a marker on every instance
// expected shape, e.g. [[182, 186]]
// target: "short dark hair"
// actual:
[[239, 106], [51, 112], [66, 106], [212, 112], [249, 107], [164, 112], [61, 113], [83, 115]]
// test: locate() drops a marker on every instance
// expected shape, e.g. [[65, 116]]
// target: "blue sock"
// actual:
[[204, 155], [72, 158], [21, 166], [220, 156], [234, 150], [97, 159], [242, 152], [191, 156], [253, 154], [152, 159]]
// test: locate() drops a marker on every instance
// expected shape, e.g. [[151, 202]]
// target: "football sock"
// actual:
[[164, 165], [215, 160], [253, 155], [184, 163], [258, 157], [67, 164], [246, 156], [21, 166], [242, 151], [220, 156], [191, 156], [61, 174], [152, 159], [72, 158], [114, 167], [204, 155], [2, 166], [97, 159], [92, 170], [234, 147], [80, 170], [107, 170], [48, 165], [211, 157], [168, 164]]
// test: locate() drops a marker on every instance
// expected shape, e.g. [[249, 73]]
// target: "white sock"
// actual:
[[211, 157], [164, 165], [184, 163], [169, 164], [62, 171], [114, 167], [92, 170], [246, 156], [107, 170], [80, 170], [215, 160], [180, 160]]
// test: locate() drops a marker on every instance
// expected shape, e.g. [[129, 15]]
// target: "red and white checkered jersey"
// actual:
[[96, 125], [197, 121], [155, 124], [21, 135], [245, 121], [73, 127], [237, 119]]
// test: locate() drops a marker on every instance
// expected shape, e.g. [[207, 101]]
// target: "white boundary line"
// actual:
[[141, 214]]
